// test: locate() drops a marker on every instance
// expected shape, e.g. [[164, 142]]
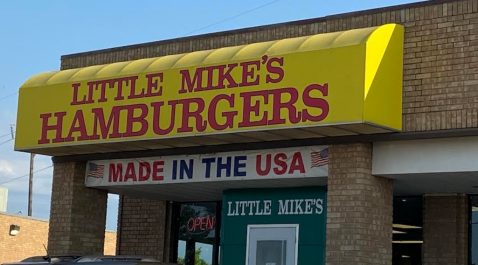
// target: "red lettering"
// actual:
[[157, 117], [100, 122], [187, 113], [144, 171], [253, 108], [259, 169], [102, 86], [75, 95], [130, 172], [210, 223], [158, 168], [250, 77], [279, 160], [278, 105], [229, 115], [154, 89], [132, 119], [190, 85], [226, 75], [57, 128], [115, 173], [132, 88], [119, 90], [312, 102], [203, 223], [78, 125], [210, 77], [91, 88], [277, 70], [297, 163], [191, 225]]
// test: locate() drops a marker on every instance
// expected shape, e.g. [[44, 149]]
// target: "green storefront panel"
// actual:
[[303, 206]]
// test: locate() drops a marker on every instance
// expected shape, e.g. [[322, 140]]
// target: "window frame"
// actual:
[[176, 214]]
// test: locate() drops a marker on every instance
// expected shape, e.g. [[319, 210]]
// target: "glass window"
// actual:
[[474, 230], [198, 227], [272, 244], [271, 252], [407, 230]]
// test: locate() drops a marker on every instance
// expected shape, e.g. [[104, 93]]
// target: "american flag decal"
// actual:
[[320, 158], [95, 170]]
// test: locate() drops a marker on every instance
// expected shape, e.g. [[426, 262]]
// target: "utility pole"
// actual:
[[30, 185], [11, 131], [30, 182]]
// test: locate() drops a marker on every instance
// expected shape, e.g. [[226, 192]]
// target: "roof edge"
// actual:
[[23, 217], [263, 27], [285, 46]]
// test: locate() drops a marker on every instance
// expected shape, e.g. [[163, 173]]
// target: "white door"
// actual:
[[272, 244]]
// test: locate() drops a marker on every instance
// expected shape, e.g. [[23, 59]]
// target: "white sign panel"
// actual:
[[299, 162]]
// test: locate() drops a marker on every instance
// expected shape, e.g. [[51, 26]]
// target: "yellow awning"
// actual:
[[208, 57], [340, 83]]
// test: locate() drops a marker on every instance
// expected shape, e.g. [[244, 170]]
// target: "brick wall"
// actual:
[[141, 229], [445, 230], [359, 209], [28, 242], [440, 60], [32, 238], [110, 243], [77, 215], [440, 91]]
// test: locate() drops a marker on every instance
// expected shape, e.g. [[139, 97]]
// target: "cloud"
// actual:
[[16, 171], [6, 168]]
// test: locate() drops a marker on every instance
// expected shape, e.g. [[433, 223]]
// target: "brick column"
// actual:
[[359, 209], [78, 214], [141, 227], [445, 230]]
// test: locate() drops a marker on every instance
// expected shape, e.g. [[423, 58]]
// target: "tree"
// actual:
[[197, 259]]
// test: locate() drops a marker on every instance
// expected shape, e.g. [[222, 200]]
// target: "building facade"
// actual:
[[348, 139], [31, 238]]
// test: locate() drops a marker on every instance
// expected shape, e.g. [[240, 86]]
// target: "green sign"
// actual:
[[305, 207]]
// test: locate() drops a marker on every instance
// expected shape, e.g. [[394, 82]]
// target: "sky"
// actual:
[[34, 34]]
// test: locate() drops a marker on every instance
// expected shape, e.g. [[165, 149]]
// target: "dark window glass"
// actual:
[[474, 230], [197, 233], [407, 230]]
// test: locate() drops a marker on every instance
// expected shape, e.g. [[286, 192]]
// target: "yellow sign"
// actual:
[[336, 78]]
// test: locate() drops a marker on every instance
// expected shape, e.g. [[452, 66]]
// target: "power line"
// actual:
[[8, 134], [6, 141], [8, 181], [233, 17], [7, 96]]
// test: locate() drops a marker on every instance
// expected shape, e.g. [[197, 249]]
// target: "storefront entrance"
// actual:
[[253, 227], [197, 232], [273, 226], [272, 244]]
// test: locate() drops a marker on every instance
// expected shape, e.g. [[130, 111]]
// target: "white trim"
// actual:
[[454, 155], [91, 143], [296, 226]]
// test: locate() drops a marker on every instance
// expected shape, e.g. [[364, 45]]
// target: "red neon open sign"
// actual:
[[204, 223]]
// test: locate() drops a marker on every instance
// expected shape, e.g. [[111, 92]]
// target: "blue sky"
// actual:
[[34, 35]]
